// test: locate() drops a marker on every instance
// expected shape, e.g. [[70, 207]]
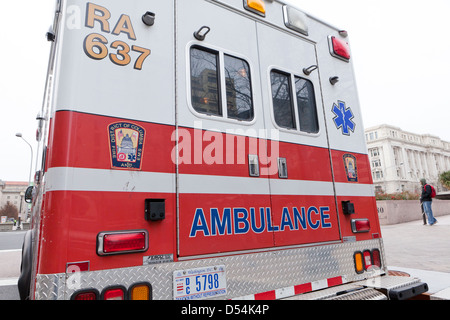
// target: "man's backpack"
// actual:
[[433, 191]]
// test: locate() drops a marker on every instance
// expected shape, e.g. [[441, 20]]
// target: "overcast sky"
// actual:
[[401, 54]]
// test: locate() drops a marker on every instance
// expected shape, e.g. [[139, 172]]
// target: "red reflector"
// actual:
[[376, 258], [114, 294], [360, 225], [340, 49], [77, 266], [122, 242]]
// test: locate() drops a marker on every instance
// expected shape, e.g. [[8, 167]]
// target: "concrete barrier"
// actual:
[[6, 226], [400, 211]]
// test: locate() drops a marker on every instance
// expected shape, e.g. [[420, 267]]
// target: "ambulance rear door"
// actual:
[[301, 182], [223, 200]]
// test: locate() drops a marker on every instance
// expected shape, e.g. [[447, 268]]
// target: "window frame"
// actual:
[[222, 85], [294, 103]]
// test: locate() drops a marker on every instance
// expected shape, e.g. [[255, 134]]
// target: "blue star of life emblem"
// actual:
[[344, 117]]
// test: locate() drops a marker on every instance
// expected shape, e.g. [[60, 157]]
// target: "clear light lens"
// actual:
[[295, 20], [114, 294]]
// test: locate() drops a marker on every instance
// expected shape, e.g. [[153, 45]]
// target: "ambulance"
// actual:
[[202, 149]]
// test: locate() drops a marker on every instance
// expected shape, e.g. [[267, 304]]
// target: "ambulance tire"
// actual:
[[25, 267]]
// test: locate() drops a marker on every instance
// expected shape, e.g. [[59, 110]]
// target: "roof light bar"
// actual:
[[119, 242], [295, 19], [256, 6]]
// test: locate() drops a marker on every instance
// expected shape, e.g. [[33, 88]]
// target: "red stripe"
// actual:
[[302, 288], [269, 295], [334, 281], [81, 140]]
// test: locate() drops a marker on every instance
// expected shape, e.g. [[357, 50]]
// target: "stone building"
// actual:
[[399, 159], [13, 192]]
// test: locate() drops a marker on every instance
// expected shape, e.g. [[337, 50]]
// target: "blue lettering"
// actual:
[[239, 220], [300, 218], [316, 225], [253, 220], [199, 224], [188, 289], [218, 225], [286, 220], [269, 221], [324, 216]]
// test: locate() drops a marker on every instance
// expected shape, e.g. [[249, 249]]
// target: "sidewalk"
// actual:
[[421, 251]]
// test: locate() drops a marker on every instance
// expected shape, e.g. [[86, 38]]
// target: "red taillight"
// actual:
[[86, 295], [339, 49], [122, 242], [360, 225], [376, 258]]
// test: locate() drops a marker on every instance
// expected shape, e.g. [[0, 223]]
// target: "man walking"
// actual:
[[426, 199]]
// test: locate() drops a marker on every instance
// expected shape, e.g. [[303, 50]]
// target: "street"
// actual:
[[10, 257], [11, 240]]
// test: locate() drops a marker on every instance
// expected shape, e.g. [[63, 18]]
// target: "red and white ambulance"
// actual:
[[202, 149]]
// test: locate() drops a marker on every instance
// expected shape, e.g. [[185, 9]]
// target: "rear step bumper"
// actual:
[[378, 288]]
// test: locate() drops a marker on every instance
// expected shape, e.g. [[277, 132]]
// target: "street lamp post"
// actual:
[[19, 135]]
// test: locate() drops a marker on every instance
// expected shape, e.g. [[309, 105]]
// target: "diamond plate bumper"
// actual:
[[246, 273]]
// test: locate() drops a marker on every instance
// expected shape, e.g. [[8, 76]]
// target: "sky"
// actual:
[[400, 52]]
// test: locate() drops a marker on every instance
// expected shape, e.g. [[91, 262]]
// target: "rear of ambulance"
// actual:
[[203, 150]]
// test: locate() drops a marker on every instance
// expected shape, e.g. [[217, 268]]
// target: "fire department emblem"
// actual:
[[350, 167], [126, 143]]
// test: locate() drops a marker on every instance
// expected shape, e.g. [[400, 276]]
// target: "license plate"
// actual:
[[199, 283]]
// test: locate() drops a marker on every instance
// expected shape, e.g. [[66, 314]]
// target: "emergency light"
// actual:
[[360, 225], [295, 20], [109, 243], [256, 6], [339, 48]]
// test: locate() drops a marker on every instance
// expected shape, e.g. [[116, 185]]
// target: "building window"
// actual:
[[375, 152]]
